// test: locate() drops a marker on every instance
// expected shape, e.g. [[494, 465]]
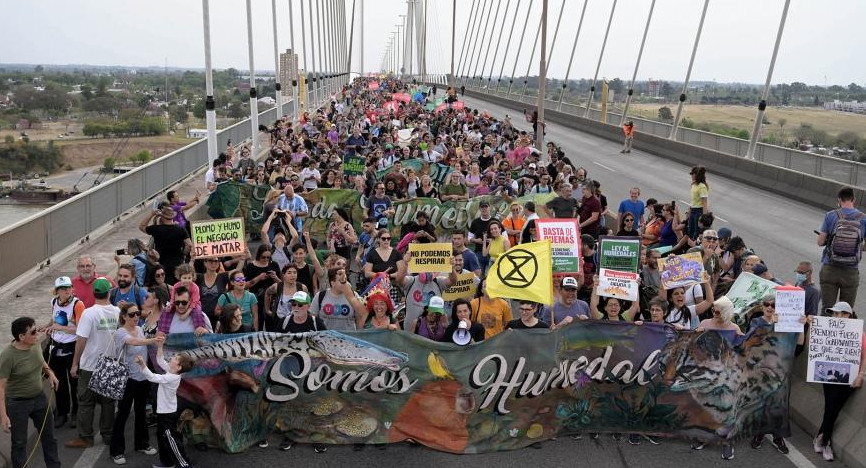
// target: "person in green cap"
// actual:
[[95, 335], [432, 322]]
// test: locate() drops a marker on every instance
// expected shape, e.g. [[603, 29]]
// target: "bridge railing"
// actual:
[[828, 167], [31, 241]]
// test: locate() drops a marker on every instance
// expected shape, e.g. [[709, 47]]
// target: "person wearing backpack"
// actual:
[[841, 235], [127, 290]]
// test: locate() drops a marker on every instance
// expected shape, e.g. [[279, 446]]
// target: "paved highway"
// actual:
[[778, 229]]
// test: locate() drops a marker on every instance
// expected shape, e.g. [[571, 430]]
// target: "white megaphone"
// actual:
[[462, 336]]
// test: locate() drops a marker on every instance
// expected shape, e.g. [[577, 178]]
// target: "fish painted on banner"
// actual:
[[333, 346]]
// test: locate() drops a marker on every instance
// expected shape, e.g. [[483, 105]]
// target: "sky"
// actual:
[[820, 43]]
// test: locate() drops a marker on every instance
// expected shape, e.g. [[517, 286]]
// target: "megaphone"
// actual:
[[462, 336]]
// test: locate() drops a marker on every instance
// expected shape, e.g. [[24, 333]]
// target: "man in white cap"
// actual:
[[567, 308], [66, 312]]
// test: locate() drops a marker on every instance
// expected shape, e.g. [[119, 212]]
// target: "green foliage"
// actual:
[[687, 123], [807, 133], [665, 114], [23, 157], [141, 157], [198, 109], [145, 126], [9, 139], [108, 165]]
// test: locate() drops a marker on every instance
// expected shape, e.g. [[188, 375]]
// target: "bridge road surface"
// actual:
[[778, 229]]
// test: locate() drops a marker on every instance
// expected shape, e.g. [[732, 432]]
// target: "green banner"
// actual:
[[438, 172], [239, 200], [518, 388], [619, 253]]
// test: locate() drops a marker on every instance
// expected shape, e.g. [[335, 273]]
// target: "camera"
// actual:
[[673, 204], [120, 252]]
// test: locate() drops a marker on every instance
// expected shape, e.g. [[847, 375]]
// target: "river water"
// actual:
[[14, 212]]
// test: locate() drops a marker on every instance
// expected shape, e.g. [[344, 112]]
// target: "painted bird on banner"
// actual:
[[525, 271]]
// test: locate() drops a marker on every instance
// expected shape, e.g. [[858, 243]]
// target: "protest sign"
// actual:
[[618, 284], [790, 306], [619, 253], [430, 258], [747, 290], [835, 346], [377, 387], [564, 234], [682, 271], [353, 165], [218, 238], [437, 172], [464, 288]]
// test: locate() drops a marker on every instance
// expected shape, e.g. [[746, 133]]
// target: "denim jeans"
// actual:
[[37, 410], [694, 215]]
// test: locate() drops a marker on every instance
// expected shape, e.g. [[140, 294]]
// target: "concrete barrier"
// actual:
[[849, 438]]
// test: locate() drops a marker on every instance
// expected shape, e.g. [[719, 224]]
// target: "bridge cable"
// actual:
[[600, 58], [484, 43], [507, 46], [676, 124], [637, 64], [488, 42], [555, 34], [519, 47], [473, 39], [531, 58], [571, 60]]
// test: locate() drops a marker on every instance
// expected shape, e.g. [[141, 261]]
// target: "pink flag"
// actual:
[[373, 86], [459, 105], [440, 108], [390, 105], [402, 97]]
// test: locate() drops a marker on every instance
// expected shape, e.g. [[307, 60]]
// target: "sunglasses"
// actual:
[[159, 275], [32, 332], [770, 304], [181, 303], [711, 238], [266, 257], [134, 313], [239, 279], [628, 220], [385, 238]]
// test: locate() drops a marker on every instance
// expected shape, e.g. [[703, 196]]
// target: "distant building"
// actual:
[[846, 106], [654, 88], [196, 133]]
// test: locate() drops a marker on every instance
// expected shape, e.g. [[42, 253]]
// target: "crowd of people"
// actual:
[[291, 281]]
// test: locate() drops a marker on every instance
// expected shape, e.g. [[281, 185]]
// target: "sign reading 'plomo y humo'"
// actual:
[[218, 238]]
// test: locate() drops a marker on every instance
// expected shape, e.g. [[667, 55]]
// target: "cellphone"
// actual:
[[816, 232], [120, 252], [673, 203]]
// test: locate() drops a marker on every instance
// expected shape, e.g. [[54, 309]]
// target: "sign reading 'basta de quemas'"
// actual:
[[383, 386]]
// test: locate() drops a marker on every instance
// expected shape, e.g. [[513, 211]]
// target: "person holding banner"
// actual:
[[527, 318], [460, 314], [835, 395], [432, 322], [682, 316], [568, 308], [723, 312], [491, 312], [612, 307]]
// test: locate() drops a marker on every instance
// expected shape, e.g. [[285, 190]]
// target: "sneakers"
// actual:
[[652, 440], [79, 443], [593, 435], [287, 444], [728, 452], [160, 465], [780, 445], [827, 453], [818, 444], [148, 450], [320, 448], [698, 445], [757, 441], [60, 421], [616, 436], [577, 436], [263, 443], [119, 459], [634, 439]]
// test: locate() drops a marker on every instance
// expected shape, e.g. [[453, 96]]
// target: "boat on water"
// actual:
[[40, 192]]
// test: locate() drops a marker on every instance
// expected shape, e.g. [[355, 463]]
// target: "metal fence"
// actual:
[[31, 241], [828, 167]]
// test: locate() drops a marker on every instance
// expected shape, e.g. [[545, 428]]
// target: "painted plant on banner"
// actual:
[[381, 386]]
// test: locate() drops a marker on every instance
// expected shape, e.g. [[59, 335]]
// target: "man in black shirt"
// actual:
[[478, 228], [171, 241], [564, 205]]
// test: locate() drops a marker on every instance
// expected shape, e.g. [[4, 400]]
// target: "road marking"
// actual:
[[685, 203], [798, 459], [602, 165], [720, 218], [90, 456]]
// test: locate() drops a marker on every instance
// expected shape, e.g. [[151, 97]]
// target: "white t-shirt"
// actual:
[[98, 324], [166, 392], [417, 293], [310, 178]]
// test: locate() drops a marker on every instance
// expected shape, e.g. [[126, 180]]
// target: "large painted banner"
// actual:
[[388, 386]]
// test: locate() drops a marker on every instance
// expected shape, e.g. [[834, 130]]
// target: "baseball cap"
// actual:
[[532, 166], [483, 203], [101, 285], [436, 305], [63, 282], [569, 282], [301, 297], [724, 233], [841, 306], [389, 146]]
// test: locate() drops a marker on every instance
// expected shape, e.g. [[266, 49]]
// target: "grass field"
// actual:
[[743, 117]]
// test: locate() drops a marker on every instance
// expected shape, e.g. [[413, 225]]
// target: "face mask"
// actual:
[[800, 278]]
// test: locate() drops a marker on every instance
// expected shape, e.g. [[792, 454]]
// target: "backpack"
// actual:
[[136, 292], [845, 240]]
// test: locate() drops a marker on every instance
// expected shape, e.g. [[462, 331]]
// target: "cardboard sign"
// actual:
[[618, 284], [835, 345], [790, 306], [219, 238], [619, 253], [747, 290], [564, 235], [430, 258], [464, 288], [353, 165], [682, 271]]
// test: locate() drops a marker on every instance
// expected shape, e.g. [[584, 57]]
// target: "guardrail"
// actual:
[[840, 170], [31, 241]]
